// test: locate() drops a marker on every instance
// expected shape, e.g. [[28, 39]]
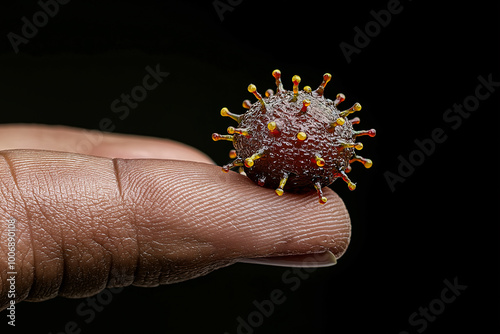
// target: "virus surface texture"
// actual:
[[295, 141]]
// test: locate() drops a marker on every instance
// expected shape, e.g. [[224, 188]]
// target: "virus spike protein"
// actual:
[[226, 113], [305, 104], [295, 140], [252, 89], [279, 84], [326, 78], [296, 80], [279, 191], [322, 199]]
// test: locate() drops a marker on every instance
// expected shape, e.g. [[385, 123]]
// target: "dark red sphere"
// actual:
[[295, 140]]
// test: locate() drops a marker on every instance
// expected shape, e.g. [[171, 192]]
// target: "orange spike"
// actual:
[[261, 181], [371, 133], [305, 104], [279, 84], [368, 163], [326, 78], [236, 163], [346, 179], [296, 80], [319, 161], [338, 121], [340, 98], [357, 146], [355, 120], [355, 107], [322, 198], [217, 137], [249, 162], [225, 113], [247, 104], [253, 89], [279, 191], [232, 130]]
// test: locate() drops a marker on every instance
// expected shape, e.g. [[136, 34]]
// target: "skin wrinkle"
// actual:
[[143, 199], [59, 246], [109, 234], [66, 224], [12, 174], [57, 222], [166, 223], [121, 245], [133, 235], [117, 177], [162, 207], [112, 270], [50, 292]]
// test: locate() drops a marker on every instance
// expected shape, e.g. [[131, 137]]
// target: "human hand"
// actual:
[[85, 222]]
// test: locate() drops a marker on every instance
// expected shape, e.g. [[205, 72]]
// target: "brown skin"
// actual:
[[86, 221]]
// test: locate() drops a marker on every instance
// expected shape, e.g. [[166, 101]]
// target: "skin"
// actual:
[[118, 210]]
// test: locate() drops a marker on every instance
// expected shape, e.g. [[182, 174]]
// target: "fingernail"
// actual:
[[316, 260]]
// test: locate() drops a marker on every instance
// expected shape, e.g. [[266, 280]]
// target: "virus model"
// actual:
[[295, 140]]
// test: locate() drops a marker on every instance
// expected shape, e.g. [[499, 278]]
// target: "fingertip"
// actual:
[[339, 215], [258, 223]]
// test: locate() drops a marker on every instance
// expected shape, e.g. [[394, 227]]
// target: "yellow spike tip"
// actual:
[[305, 105], [301, 136], [322, 198], [319, 161], [217, 137]]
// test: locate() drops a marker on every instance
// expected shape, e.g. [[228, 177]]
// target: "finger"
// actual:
[[93, 142], [84, 223]]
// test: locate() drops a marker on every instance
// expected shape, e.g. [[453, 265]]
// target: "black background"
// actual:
[[440, 224]]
